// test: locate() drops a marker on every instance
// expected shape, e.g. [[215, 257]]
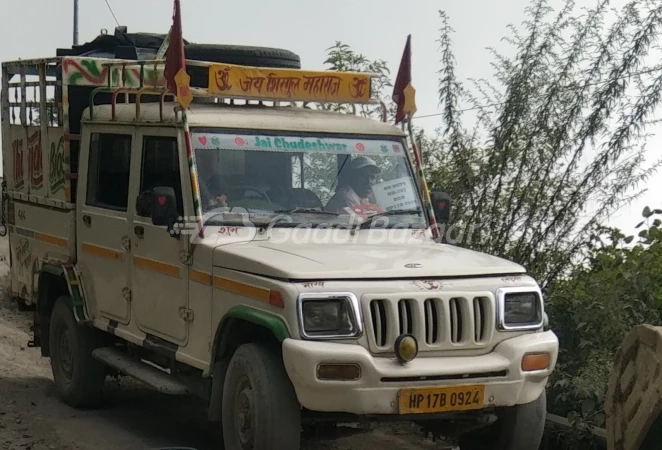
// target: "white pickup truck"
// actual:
[[315, 292]]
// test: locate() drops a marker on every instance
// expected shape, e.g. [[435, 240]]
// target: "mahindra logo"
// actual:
[[413, 266]]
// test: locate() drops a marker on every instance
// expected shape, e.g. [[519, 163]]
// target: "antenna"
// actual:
[[75, 22]]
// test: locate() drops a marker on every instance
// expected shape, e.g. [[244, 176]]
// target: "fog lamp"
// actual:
[[406, 348], [338, 372]]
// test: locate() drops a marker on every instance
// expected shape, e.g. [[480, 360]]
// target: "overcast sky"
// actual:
[[377, 28]]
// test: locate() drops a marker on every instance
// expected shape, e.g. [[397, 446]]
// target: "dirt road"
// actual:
[[133, 418]]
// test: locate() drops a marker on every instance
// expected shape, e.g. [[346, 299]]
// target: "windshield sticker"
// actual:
[[213, 141], [395, 194]]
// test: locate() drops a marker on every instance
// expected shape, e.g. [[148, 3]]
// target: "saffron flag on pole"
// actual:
[[404, 95], [403, 92], [178, 81]]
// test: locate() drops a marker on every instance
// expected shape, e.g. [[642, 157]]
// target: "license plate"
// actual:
[[433, 400]]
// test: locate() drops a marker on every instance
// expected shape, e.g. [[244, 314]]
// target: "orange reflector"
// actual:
[[535, 361], [276, 299], [338, 372]]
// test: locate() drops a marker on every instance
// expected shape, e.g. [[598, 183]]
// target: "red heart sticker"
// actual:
[[162, 200], [203, 140]]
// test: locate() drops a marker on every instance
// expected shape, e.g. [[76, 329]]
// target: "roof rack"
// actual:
[[227, 81]]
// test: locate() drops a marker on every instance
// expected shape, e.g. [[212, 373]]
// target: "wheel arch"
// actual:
[[232, 330], [240, 325]]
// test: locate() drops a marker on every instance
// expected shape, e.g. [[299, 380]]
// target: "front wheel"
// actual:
[[79, 378], [260, 410], [517, 428]]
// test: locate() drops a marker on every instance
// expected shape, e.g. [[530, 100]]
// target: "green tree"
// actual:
[[560, 131], [34, 116], [340, 57], [620, 286]]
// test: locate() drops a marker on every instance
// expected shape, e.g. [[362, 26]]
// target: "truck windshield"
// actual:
[[309, 179]]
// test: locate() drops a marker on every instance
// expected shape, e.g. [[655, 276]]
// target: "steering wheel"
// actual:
[[243, 189]]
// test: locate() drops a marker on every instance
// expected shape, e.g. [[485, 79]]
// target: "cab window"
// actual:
[[108, 171], [160, 168]]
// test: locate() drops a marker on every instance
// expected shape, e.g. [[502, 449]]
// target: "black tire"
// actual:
[[79, 378], [258, 393], [240, 55], [244, 55], [519, 427]]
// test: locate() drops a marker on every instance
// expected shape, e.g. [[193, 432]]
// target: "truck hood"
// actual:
[[358, 261]]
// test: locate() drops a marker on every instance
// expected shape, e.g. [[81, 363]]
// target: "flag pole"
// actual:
[[178, 82], [404, 96], [422, 181]]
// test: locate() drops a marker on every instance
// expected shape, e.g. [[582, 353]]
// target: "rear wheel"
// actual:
[[517, 428], [79, 378], [260, 408]]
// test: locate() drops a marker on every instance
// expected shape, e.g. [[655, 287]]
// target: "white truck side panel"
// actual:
[[37, 234]]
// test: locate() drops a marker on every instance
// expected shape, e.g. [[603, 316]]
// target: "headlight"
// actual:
[[329, 316], [520, 308]]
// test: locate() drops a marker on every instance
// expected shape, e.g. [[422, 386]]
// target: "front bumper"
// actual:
[[372, 395]]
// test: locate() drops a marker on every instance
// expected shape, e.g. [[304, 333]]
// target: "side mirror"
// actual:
[[441, 205], [164, 207]]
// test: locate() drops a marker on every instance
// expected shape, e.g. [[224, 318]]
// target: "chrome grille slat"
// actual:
[[391, 322], [452, 321], [378, 320], [456, 324], [444, 321], [431, 322], [478, 320], [404, 316], [466, 306]]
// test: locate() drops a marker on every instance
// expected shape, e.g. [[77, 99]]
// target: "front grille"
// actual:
[[442, 322]]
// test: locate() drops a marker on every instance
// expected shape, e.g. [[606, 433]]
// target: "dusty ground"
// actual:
[[134, 417]]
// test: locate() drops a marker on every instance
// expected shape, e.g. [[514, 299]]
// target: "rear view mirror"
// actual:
[[441, 205], [164, 207]]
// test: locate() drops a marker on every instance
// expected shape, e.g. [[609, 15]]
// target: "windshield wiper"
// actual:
[[306, 211], [395, 212]]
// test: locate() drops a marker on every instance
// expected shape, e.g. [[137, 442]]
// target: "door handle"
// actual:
[[87, 220], [139, 230]]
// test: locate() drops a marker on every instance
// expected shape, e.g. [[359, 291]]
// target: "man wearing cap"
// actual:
[[354, 185]]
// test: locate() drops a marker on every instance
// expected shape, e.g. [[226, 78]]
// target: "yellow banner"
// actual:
[[289, 85]]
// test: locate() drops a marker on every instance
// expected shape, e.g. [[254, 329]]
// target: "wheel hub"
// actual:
[[245, 409], [66, 356]]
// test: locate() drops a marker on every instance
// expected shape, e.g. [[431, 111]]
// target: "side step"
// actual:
[[151, 376]]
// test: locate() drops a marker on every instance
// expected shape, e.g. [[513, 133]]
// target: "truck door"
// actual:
[[159, 279], [102, 219]]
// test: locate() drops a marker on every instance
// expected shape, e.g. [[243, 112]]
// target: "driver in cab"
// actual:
[[354, 185], [211, 192]]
